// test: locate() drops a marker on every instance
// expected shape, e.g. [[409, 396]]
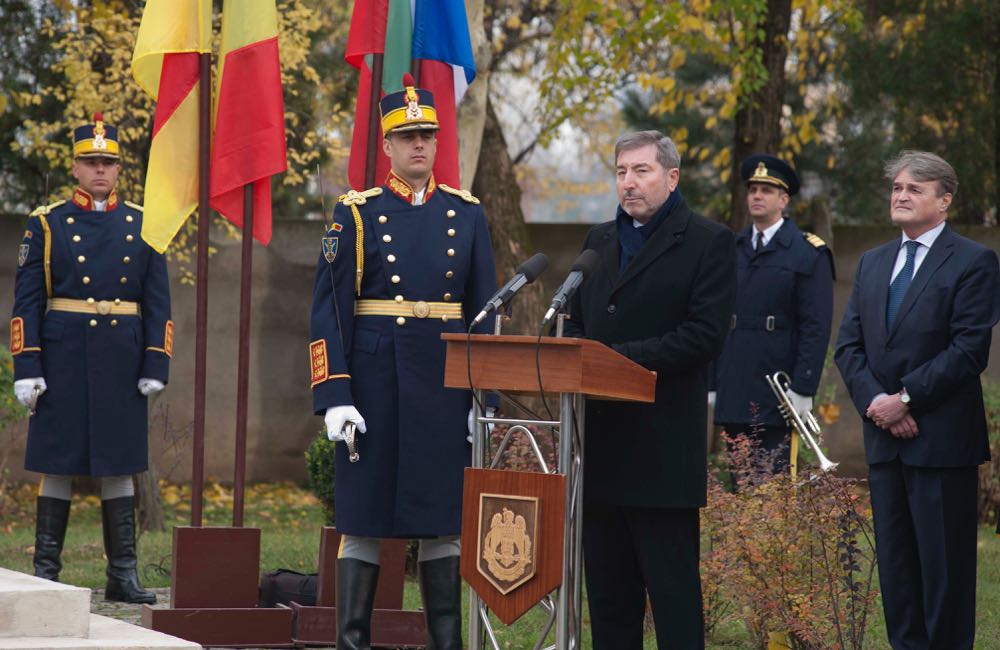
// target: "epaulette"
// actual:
[[465, 195], [355, 197], [45, 209], [814, 240], [133, 205]]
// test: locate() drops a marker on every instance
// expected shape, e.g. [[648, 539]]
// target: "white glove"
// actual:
[[801, 403], [711, 399], [24, 389], [149, 386], [490, 412], [337, 416]]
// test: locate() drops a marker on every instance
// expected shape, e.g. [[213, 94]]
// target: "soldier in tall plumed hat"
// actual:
[[403, 263], [91, 337], [784, 308]]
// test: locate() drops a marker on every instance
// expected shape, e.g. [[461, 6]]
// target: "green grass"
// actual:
[[290, 520]]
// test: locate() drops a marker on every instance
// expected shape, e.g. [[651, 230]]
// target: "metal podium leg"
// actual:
[[569, 601], [479, 446]]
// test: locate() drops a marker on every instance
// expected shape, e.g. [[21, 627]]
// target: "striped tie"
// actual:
[[897, 290]]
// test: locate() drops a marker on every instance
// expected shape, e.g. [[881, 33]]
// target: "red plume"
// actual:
[[408, 81], [98, 117]]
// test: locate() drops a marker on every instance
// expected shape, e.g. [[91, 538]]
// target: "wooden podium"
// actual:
[[575, 369]]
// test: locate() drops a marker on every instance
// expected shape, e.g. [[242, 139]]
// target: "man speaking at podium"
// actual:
[[661, 296]]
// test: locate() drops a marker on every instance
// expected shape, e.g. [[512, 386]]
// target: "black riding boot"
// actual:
[[356, 582], [118, 516], [51, 516], [441, 589]]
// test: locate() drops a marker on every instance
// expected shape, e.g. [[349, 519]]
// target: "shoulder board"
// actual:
[[465, 195], [814, 240], [45, 209], [133, 205], [355, 197]]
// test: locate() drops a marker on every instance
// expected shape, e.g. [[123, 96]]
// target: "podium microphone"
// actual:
[[581, 268], [524, 274]]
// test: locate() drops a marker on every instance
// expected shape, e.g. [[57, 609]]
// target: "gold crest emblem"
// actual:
[[413, 110], [761, 171], [508, 526]]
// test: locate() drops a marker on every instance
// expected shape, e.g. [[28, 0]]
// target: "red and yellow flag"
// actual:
[[172, 35], [249, 144]]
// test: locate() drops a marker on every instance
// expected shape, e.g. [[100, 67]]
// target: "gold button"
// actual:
[[118, 301], [395, 279], [126, 259], [90, 301], [81, 259], [391, 258], [399, 298], [93, 322], [444, 318], [451, 232], [71, 221], [86, 279], [76, 237], [447, 297], [450, 213], [383, 218], [401, 321], [129, 238], [387, 238], [123, 280], [449, 274], [128, 218], [114, 323], [451, 252]]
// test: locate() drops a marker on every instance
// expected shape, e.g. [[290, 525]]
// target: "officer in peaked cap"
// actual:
[[91, 337], [402, 263], [784, 307]]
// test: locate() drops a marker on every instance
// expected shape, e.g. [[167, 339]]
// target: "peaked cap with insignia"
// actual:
[[771, 170], [96, 140], [410, 109]]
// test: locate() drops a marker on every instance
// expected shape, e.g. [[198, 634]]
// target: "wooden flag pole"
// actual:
[[374, 123], [243, 370], [201, 318]]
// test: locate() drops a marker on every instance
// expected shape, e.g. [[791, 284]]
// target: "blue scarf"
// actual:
[[631, 238]]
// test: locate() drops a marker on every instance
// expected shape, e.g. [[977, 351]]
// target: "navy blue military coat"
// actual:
[[782, 321], [408, 482], [92, 420]]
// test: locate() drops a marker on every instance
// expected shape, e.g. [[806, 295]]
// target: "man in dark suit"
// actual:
[[914, 340], [661, 296]]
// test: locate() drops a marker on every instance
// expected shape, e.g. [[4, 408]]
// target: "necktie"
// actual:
[[897, 290], [760, 242]]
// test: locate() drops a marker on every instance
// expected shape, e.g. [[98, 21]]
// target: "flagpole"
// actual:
[[201, 299], [243, 370], [374, 123]]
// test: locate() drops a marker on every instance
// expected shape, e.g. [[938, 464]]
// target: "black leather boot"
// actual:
[[118, 516], [356, 582], [441, 589], [51, 516]]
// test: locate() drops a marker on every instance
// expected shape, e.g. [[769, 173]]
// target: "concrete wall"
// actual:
[[280, 420]]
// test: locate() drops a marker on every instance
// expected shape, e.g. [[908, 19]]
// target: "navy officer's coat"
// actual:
[[782, 321], [92, 420], [408, 482]]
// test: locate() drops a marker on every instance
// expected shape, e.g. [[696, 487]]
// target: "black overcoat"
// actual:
[[669, 311]]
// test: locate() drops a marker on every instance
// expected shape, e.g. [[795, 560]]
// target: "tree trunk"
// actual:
[[500, 195], [758, 122], [472, 109], [147, 492]]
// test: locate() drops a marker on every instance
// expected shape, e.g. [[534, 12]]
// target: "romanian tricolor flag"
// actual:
[[172, 36], [249, 144], [435, 35]]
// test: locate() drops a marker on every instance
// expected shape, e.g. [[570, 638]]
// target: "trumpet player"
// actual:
[[783, 313]]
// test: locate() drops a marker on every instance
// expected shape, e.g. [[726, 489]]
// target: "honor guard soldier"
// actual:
[[784, 307], [402, 264], [91, 337]]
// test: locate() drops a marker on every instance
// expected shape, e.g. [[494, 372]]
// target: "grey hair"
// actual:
[[924, 166], [666, 150]]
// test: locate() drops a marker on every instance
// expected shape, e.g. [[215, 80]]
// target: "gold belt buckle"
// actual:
[[104, 307], [421, 309]]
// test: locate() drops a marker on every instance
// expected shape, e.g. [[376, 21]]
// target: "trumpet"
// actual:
[[807, 427]]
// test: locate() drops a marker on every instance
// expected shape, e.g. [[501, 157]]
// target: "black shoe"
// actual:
[[441, 589], [356, 582], [118, 516], [50, 532]]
